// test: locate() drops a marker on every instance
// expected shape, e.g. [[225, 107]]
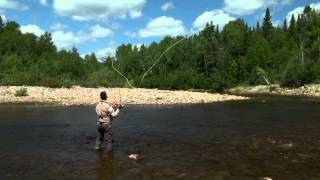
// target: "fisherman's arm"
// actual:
[[113, 112]]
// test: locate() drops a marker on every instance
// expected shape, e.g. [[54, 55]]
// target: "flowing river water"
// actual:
[[273, 137]]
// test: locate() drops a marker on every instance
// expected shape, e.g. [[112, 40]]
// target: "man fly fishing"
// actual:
[[106, 113]]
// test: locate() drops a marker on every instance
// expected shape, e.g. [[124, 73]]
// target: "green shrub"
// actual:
[[21, 92], [50, 82], [298, 75]]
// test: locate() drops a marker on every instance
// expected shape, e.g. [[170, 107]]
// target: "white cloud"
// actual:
[[276, 23], [109, 51], [98, 31], [242, 7], [295, 12], [135, 14], [58, 26], [278, 2], [130, 34], [12, 4], [315, 6], [68, 39], [215, 16], [163, 26], [32, 28], [103, 52], [166, 6], [247, 7], [299, 10], [99, 10], [44, 2]]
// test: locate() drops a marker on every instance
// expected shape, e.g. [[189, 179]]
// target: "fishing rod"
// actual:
[[155, 62], [158, 59], [121, 74], [149, 69]]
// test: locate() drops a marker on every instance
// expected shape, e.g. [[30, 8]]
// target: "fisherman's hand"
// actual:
[[115, 106]]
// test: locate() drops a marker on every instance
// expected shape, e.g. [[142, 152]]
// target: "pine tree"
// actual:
[[307, 10], [258, 26], [292, 27], [285, 25], [299, 24], [267, 24], [217, 29]]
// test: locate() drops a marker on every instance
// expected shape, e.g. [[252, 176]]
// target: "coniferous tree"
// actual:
[[292, 27], [258, 26], [267, 27], [285, 25]]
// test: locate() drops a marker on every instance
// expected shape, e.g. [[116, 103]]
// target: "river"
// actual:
[[276, 137]]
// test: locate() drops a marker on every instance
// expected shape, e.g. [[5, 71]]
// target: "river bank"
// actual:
[[86, 96], [310, 90]]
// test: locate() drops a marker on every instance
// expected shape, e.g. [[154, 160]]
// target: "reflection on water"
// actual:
[[263, 137], [104, 165]]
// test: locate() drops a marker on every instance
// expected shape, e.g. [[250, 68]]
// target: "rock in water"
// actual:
[[286, 146], [134, 156], [267, 178]]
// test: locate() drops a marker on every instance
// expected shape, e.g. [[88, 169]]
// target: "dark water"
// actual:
[[264, 137]]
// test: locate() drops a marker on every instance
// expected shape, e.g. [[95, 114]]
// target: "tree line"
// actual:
[[211, 59]]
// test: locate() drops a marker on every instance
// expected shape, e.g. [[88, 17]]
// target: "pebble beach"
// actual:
[[86, 96]]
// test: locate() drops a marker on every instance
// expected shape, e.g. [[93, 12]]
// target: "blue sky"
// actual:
[[101, 25]]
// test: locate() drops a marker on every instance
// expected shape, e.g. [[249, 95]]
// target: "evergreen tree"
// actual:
[[307, 10], [285, 25], [258, 26], [267, 27], [292, 27]]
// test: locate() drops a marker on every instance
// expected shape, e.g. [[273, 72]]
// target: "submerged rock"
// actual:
[[181, 176], [286, 146], [267, 178], [134, 156]]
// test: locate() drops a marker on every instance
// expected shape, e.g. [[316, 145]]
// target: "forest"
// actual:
[[214, 58]]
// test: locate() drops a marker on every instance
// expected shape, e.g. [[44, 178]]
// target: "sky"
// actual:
[[100, 26]]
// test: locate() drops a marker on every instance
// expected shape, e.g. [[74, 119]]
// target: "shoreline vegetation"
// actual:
[[308, 90], [77, 95]]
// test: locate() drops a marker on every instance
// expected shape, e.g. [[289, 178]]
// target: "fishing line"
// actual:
[[148, 70], [122, 75], [158, 59], [155, 62]]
